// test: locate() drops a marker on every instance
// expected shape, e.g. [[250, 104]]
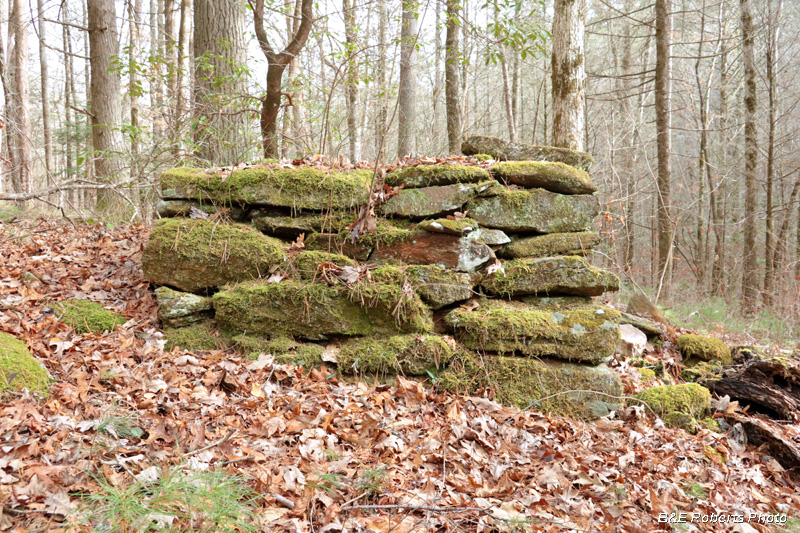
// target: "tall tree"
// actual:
[[278, 62], [407, 95], [750, 273], [663, 99], [106, 106], [383, 105], [220, 55], [451, 79], [19, 105], [351, 50], [45, 86], [569, 74], [182, 73]]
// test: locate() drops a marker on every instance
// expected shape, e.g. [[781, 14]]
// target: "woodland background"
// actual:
[[101, 96]]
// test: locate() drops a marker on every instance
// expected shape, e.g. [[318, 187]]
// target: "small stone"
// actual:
[[552, 244], [555, 177], [688, 398], [179, 309], [550, 275], [433, 175], [534, 210], [431, 201], [650, 328], [512, 151], [694, 347], [492, 237], [449, 225], [439, 287], [632, 341], [680, 420], [440, 249]]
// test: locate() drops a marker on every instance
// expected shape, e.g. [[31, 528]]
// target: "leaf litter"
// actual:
[[322, 453]]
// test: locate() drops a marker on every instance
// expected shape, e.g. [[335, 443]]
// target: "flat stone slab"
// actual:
[[433, 201], [295, 188], [433, 175], [197, 255], [504, 150], [411, 355], [548, 245], [576, 329], [179, 309], [449, 225], [183, 208], [439, 287], [534, 210], [650, 328], [440, 249], [555, 386], [550, 276], [492, 237], [554, 177], [315, 311]]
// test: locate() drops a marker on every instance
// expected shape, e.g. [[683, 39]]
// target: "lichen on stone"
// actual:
[[550, 275], [514, 151], [698, 347], [548, 245], [555, 177], [689, 398], [448, 225], [440, 287], [432, 175], [19, 369], [306, 265], [412, 355], [432, 201], [178, 309], [87, 317]]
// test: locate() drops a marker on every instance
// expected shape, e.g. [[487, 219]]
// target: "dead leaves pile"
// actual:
[[326, 455]]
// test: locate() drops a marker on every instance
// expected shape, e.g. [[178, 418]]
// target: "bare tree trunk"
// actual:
[[6, 133], [718, 210], [750, 274], [105, 91], [134, 14], [663, 96], [45, 85], [380, 125], [68, 103], [407, 92], [351, 49], [20, 106], [569, 74], [452, 83]]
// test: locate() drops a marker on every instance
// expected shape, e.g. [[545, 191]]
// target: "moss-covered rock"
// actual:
[[315, 311], [179, 309], [647, 374], [579, 243], [447, 225], [412, 355], [550, 275], [195, 338], [306, 265], [183, 208], [697, 347], [650, 328], [288, 351], [85, 317], [443, 250], [276, 224], [432, 201], [296, 188], [689, 398], [196, 255], [440, 287], [492, 237], [534, 210], [433, 175], [555, 177], [710, 424], [702, 371], [512, 151], [571, 389], [19, 369], [387, 233], [576, 329], [482, 157], [681, 420]]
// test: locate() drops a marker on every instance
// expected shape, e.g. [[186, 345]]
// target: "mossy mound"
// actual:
[[688, 398], [681, 420], [296, 188], [555, 177], [569, 388], [19, 369], [432, 175], [440, 287], [482, 157], [178, 309], [87, 317], [579, 243], [288, 351], [306, 265], [197, 255], [412, 355], [513, 151], [550, 275], [647, 374], [195, 338], [702, 371], [697, 347], [534, 210], [451, 226], [316, 310], [566, 328]]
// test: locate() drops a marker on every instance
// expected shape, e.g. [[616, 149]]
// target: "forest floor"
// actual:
[[315, 453]]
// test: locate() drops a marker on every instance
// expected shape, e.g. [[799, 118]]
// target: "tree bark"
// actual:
[[569, 74], [45, 87], [452, 82], [19, 113], [750, 274], [663, 97], [407, 91], [383, 106], [351, 45], [182, 74], [134, 14]]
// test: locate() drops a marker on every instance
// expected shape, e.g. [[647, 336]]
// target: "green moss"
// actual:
[[555, 386], [647, 374], [298, 188], [681, 420], [555, 177], [688, 398], [711, 425], [197, 337], [414, 355], [19, 369], [703, 348], [195, 255], [290, 227], [550, 275], [515, 151], [568, 328], [86, 317], [386, 233], [702, 371], [446, 225], [482, 157], [305, 265], [552, 244], [433, 175], [440, 287]]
